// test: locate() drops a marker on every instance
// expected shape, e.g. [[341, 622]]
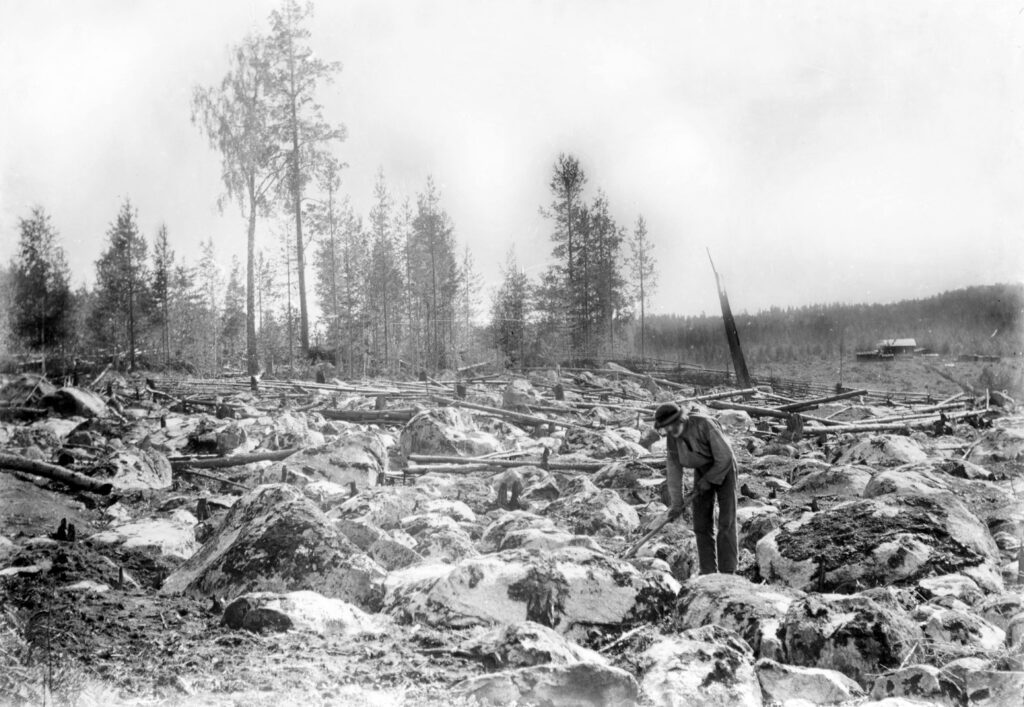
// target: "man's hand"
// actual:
[[703, 486], [674, 513]]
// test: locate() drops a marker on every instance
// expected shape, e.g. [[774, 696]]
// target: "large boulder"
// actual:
[[784, 684], [446, 431], [357, 457], [991, 688], [554, 685], [852, 634], [999, 444], [585, 509], [513, 522], [288, 430], [527, 643], [883, 450], [76, 401], [876, 542], [846, 480], [567, 588], [132, 468], [754, 611], [921, 682], [382, 507], [301, 611], [275, 539], [709, 667], [960, 631]]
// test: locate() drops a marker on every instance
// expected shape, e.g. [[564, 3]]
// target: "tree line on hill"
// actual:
[[985, 320]]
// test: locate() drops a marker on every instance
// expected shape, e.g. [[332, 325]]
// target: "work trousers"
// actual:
[[726, 542]]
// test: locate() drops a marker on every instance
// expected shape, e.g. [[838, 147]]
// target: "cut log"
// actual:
[[57, 473], [179, 463], [369, 417]]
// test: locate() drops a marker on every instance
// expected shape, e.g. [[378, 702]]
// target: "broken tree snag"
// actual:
[[732, 334], [179, 463], [57, 473]]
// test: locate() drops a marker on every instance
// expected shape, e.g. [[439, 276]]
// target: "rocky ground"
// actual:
[[411, 543]]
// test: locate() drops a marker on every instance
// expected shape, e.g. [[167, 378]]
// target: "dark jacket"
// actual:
[[702, 447]]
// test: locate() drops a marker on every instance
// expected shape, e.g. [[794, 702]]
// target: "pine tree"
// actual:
[[302, 132], [163, 281], [565, 287], [435, 275], [122, 285], [233, 319], [467, 303], [384, 278], [643, 275], [41, 296], [510, 311]]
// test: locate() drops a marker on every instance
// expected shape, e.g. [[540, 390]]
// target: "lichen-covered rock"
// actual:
[[275, 539], [754, 611], [847, 480], [883, 450], [852, 634], [538, 539], [301, 611], [954, 630], [527, 643], [876, 542], [784, 684], [957, 586], [136, 469], [991, 688], [999, 444], [472, 489], [587, 510], [511, 522], [923, 682], [288, 430], [708, 668], [357, 457], [446, 431], [572, 685], [382, 507], [561, 589]]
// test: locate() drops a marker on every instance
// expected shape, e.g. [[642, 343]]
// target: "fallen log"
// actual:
[[888, 426], [765, 412], [369, 416], [216, 462], [653, 460], [57, 473], [808, 404], [213, 477]]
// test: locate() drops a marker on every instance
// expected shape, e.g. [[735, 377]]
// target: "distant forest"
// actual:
[[975, 320]]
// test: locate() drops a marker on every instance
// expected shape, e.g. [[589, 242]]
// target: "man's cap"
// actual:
[[666, 414]]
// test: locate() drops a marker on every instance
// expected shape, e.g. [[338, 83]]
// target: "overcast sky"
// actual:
[[824, 152]]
